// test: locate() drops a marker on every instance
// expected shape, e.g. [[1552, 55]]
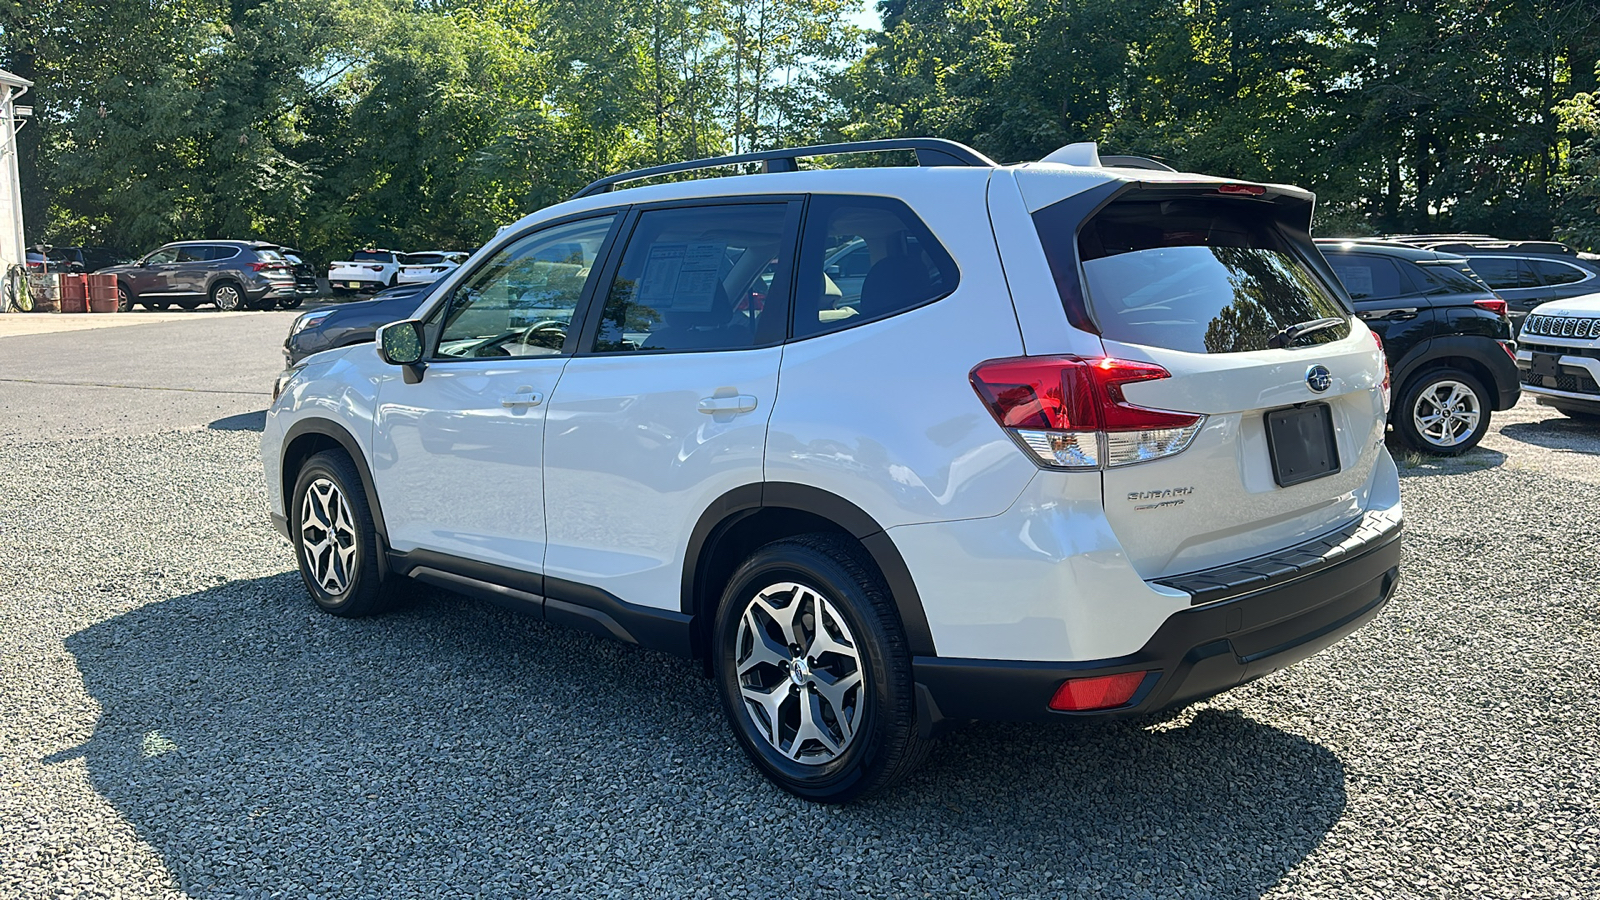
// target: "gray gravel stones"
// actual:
[[177, 719]]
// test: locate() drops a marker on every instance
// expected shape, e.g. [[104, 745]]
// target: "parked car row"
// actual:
[[370, 270]]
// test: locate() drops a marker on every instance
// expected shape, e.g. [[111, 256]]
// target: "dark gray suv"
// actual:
[[1523, 273], [230, 274]]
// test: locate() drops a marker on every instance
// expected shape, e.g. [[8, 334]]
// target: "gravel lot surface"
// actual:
[[176, 719]]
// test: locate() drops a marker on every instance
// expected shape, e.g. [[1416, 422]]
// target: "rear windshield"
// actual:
[[372, 256], [1201, 275], [423, 259]]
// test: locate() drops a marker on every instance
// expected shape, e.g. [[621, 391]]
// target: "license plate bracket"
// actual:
[[1301, 443], [1546, 364]]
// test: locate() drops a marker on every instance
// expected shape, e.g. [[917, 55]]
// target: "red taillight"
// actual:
[[1071, 412], [260, 266], [1253, 190], [1510, 347], [1384, 357], [1496, 306], [376, 268], [1098, 692]]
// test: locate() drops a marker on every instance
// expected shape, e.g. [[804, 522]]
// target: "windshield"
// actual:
[[1201, 275]]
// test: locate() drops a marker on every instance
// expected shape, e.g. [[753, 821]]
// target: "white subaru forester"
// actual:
[[1070, 438]]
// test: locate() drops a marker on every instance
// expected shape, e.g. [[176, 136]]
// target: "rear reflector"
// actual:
[[1070, 412], [1099, 692], [1496, 306]]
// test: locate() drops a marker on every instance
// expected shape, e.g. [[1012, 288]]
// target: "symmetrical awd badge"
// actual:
[[1318, 378]]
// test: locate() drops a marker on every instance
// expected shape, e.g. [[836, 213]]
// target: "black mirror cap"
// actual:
[[400, 343]]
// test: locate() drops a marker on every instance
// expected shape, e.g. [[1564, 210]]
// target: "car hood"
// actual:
[[1582, 305], [372, 312]]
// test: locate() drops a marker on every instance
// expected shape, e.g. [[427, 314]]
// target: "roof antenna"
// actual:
[[1086, 153]]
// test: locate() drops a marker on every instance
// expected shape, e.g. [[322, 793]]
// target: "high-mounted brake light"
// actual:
[[1070, 412], [1495, 305], [1253, 190]]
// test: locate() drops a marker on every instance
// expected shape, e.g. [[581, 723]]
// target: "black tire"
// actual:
[[884, 744], [185, 304], [290, 302], [125, 299], [354, 562], [1453, 433], [228, 296], [157, 305]]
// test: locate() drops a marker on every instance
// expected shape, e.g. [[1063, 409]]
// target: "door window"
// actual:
[[1503, 272], [864, 258], [521, 302], [162, 257], [703, 278], [1551, 273], [1368, 277], [1438, 278]]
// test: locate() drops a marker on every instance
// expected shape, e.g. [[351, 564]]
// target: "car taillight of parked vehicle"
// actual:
[[1377, 339], [1070, 413], [1495, 305]]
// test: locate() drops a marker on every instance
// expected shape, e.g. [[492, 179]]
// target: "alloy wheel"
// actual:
[[800, 673], [1446, 413], [227, 297], [328, 536]]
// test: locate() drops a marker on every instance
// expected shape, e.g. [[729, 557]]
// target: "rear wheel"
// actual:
[[335, 540], [227, 296], [1443, 412], [814, 671]]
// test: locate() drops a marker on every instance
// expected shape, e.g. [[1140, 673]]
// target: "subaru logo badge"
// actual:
[[1318, 378]]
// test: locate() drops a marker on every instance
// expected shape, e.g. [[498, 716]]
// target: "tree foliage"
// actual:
[[332, 124]]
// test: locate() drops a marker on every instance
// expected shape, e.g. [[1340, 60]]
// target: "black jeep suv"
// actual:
[[1446, 335]]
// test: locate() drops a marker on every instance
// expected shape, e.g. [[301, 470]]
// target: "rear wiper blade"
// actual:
[[1299, 330]]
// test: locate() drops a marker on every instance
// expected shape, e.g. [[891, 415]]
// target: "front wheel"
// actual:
[[814, 671], [124, 299], [1442, 411], [335, 540], [227, 296]]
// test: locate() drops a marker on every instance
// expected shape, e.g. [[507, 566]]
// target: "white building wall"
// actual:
[[12, 234]]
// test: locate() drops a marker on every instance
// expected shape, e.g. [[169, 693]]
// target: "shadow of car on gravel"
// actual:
[[1558, 433], [251, 421], [450, 747]]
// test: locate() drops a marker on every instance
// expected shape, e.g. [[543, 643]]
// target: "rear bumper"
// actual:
[[1196, 653]]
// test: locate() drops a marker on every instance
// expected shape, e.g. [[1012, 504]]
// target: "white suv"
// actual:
[[1086, 440], [1558, 356]]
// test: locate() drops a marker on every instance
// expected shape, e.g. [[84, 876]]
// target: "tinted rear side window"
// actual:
[[1368, 277], [1434, 279], [1553, 273], [864, 258], [1503, 272], [1200, 275]]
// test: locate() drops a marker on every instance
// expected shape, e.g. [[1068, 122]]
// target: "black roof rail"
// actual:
[[930, 152]]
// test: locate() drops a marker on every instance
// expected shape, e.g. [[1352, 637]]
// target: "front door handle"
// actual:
[[740, 403], [523, 398]]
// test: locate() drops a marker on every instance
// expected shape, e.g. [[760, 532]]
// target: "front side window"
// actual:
[[1368, 277], [522, 301], [864, 258], [698, 279], [162, 257], [1201, 275]]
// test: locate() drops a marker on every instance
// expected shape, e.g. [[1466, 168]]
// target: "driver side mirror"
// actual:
[[400, 344], [834, 271]]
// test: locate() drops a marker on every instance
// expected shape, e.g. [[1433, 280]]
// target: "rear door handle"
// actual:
[[741, 403], [524, 397]]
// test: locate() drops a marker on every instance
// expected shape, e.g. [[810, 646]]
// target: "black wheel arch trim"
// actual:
[[1504, 387], [728, 510], [341, 436]]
